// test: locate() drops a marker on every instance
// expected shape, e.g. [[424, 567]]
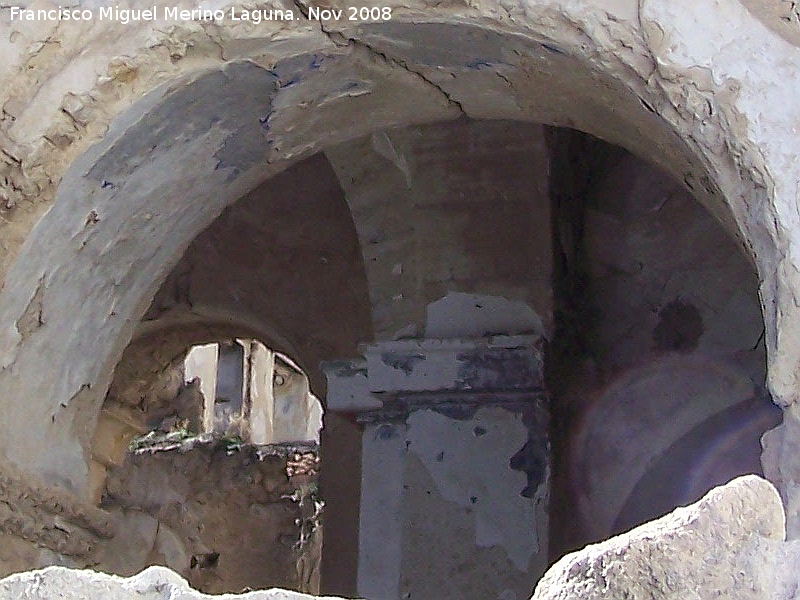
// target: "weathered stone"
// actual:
[[223, 519], [727, 545], [154, 583], [652, 80], [321, 184], [440, 500], [127, 552]]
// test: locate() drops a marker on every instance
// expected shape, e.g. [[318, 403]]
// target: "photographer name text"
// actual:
[[166, 13]]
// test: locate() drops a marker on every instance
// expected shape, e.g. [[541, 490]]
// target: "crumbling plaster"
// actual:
[[695, 89]]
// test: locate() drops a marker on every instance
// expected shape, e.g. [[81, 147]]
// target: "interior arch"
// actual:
[[129, 208]]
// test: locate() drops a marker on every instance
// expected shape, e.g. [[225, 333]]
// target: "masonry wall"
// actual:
[[679, 84], [679, 98], [225, 517], [453, 207], [660, 369]]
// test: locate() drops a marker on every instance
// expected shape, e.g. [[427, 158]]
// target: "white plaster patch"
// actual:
[[724, 38], [469, 461], [467, 315], [10, 348]]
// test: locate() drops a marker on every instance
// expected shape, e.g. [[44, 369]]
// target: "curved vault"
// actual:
[[126, 210], [281, 265]]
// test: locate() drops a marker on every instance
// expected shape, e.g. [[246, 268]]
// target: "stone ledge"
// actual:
[[729, 544], [428, 372], [50, 518], [154, 583]]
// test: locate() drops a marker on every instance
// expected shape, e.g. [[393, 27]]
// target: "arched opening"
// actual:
[[282, 265], [215, 475], [377, 149], [658, 366]]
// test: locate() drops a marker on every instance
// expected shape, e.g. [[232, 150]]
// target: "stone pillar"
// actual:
[[381, 518], [201, 361], [455, 466], [262, 401]]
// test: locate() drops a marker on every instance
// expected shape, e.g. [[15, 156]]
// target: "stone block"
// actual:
[[156, 583], [112, 437], [512, 363], [727, 545], [348, 387]]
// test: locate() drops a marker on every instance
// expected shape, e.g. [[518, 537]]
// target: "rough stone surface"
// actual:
[[727, 545], [660, 80], [730, 544], [154, 583], [225, 518], [266, 269], [120, 144]]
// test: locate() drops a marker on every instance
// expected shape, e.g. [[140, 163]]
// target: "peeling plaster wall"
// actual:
[[448, 506], [463, 504], [591, 71], [207, 112], [281, 265], [472, 213], [453, 207], [456, 457]]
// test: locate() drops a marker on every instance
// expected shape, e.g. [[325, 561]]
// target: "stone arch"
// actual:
[[641, 78], [265, 269]]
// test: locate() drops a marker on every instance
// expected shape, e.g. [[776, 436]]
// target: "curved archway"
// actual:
[[128, 182], [121, 219]]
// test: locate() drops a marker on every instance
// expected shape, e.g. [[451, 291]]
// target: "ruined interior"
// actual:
[[390, 310]]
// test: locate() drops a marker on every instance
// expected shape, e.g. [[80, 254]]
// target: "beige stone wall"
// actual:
[[224, 520], [455, 207], [122, 144], [581, 65]]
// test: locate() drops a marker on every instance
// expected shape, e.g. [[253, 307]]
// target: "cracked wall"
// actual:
[[578, 55], [91, 175]]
